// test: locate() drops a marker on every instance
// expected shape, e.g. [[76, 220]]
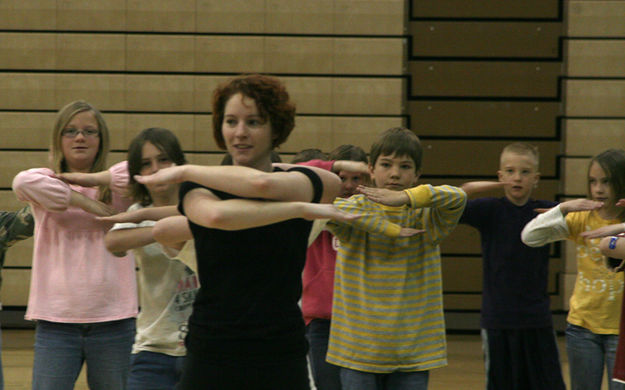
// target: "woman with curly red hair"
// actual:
[[250, 222]]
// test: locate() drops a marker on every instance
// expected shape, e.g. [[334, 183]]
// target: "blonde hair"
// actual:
[[58, 163], [523, 149]]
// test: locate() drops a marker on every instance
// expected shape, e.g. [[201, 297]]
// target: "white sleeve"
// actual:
[[545, 228]]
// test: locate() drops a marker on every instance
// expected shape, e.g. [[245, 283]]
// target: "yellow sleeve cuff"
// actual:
[[420, 196], [392, 230]]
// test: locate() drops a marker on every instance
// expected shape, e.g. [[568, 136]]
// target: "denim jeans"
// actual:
[[588, 354], [61, 349], [398, 380], [326, 376], [154, 371]]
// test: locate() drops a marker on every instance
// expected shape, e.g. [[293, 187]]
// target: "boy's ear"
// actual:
[[536, 179]]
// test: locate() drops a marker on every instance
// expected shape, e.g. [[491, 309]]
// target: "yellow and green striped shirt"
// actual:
[[387, 310]]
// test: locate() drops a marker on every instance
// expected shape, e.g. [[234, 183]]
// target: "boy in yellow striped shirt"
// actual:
[[388, 328]]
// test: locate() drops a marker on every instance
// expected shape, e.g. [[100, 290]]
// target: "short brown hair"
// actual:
[[398, 141], [272, 101]]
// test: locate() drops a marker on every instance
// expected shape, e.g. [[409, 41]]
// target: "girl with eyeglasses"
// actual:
[[83, 298]]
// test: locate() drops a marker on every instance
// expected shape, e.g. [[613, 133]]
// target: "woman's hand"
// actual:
[[384, 196], [326, 211], [86, 179], [166, 175]]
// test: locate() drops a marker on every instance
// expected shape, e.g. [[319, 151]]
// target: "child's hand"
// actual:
[[610, 230], [384, 196], [91, 206], [579, 205], [620, 203], [135, 216], [409, 232], [163, 176]]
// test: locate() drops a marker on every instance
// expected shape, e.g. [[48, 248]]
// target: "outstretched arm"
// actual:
[[610, 230], [551, 225], [172, 231], [613, 248], [203, 208], [476, 187], [251, 183], [91, 206], [143, 214], [15, 226], [121, 240]]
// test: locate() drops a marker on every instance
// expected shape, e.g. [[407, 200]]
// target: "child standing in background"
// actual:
[[167, 286], [14, 226], [349, 162], [593, 320], [520, 350], [388, 328]]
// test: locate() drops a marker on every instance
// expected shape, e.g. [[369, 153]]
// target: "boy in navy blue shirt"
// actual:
[[517, 331]]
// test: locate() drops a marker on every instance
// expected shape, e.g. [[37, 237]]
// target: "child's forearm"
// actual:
[[475, 187], [121, 240], [545, 228]]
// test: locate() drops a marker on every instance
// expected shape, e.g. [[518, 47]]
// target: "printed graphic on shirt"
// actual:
[[597, 278], [186, 290]]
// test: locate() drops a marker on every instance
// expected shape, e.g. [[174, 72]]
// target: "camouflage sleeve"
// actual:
[[15, 226]]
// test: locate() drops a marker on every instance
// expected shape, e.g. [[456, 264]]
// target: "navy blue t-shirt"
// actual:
[[514, 275], [246, 309]]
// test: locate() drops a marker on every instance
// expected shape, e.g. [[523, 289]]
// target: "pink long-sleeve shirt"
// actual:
[[74, 278]]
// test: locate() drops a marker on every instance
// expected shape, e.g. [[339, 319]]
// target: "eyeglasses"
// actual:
[[87, 133]]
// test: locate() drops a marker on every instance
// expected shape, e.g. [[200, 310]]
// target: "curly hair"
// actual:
[[272, 101]]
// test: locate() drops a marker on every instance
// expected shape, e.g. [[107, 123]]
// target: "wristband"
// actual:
[[612, 243]]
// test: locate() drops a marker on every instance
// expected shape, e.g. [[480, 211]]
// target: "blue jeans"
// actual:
[[61, 349], [327, 376], [588, 354], [398, 380], [154, 371]]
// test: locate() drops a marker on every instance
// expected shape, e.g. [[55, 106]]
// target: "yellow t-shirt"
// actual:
[[596, 300]]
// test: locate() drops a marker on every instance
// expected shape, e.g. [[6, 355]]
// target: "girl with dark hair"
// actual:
[[167, 286]]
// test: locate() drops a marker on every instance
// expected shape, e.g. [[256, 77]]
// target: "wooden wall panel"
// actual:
[[484, 9], [587, 137], [101, 52], [383, 56], [91, 15], [484, 118], [8, 201], [369, 17], [16, 127], [485, 39], [493, 79], [171, 53], [162, 93], [19, 91], [233, 16], [327, 133], [303, 17], [160, 15], [106, 92], [12, 163], [595, 58], [28, 15], [575, 171], [20, 254], [27, 51], [595, 18], [229, 54], [15, 286], [450, 158], [595, 98]]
